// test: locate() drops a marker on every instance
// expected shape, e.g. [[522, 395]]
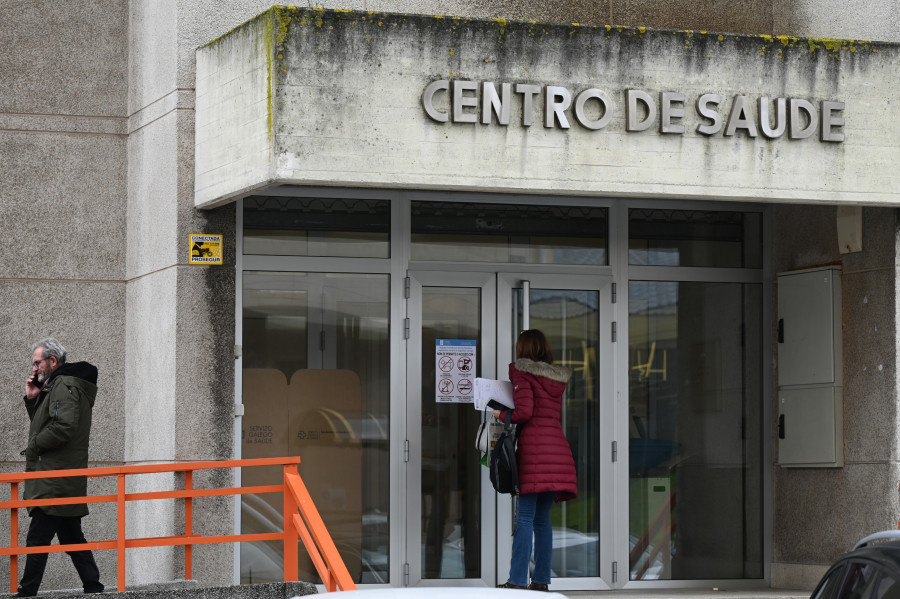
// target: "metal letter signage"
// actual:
[[487, 103]]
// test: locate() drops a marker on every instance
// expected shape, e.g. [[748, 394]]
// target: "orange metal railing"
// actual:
[[301, 518]]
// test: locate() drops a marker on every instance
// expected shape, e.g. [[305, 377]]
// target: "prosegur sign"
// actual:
[[594, 109]]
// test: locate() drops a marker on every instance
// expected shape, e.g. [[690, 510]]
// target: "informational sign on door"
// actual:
[[454, 370]]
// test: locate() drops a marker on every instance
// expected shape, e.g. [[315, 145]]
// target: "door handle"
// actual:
[[526, 305]]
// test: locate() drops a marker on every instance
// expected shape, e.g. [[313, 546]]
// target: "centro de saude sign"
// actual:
[[797, 117]]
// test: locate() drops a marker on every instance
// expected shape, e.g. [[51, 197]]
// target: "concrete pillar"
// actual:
[[819, 513]]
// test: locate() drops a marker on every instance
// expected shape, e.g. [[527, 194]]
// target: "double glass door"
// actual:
[[465, 325]]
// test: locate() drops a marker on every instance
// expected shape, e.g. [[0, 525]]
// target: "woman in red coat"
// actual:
[[546, 467]]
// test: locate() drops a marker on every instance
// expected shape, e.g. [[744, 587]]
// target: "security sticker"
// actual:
[[206, 249]]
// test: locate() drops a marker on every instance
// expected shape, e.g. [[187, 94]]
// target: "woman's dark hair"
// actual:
[[533, 345]]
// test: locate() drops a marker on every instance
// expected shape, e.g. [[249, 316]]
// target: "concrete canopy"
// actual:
[[338, 98]]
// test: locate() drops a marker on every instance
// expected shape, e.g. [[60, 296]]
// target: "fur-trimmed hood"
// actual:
[[543, 452], [548, 371]]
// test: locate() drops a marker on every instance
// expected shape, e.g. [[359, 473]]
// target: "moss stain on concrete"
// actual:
[[695, 42]]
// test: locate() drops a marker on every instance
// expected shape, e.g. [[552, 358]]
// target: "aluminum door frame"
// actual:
[[412, 534], [613, 513]]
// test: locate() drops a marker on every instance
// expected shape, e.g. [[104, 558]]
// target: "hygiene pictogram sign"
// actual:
[[206, 249], [454, 370]]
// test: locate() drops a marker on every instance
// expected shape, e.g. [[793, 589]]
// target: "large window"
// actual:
[[695, 399], [674, 237], [317, 295], [524, 234], [288, 226], [316, 383]]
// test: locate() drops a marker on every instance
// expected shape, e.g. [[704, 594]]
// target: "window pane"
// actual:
[[316, 384], [450, 231], [281, 226], [569, 319], [658, 237], [451, 471], [860, 581], [695, 447], [888, 586], [829, 585]]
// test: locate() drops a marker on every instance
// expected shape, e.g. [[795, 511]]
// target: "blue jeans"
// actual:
[[533, 521]]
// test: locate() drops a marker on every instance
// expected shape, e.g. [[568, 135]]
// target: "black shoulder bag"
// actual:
[[503, 465]]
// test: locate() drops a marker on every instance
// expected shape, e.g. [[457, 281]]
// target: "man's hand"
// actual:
[[31, 389]]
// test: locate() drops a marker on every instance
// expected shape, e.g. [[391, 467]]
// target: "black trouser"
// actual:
[[41, 531]]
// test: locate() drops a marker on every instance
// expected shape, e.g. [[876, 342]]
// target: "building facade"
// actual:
[[400, 189]]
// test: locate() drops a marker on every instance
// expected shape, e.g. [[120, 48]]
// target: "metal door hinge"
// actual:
[[406, 575], [615, 571], [406, 450], [614, 331], [613, 293], [238, 409], [406, 328], [615, 451], [237, 351], [406, 285]]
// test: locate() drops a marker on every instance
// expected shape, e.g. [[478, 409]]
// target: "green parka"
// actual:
[[59, 435]]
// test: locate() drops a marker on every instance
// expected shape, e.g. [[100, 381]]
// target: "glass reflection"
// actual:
[[316, 384], [569, 320], [695, 417], [285, 226], [667, 237], [455, 231], [451, 471]]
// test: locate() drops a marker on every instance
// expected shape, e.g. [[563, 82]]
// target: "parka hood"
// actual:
[[553, 372], [79, 370]]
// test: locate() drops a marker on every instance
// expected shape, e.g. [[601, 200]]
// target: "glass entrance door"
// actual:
[[575, 314], [459, 529], [450, 508]]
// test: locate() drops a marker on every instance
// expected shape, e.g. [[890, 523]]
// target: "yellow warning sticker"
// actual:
[[206, 249]]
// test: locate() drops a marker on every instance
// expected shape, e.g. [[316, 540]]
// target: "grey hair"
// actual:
[[51, 347]]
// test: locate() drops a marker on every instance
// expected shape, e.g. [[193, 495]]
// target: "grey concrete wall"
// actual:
[[180, 318], [62, 223], [848, 19], [853, 19], [819, 513]]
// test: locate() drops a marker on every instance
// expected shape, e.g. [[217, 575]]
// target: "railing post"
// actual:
[[14, 539], [188, 526], [291, 537], [120, 539]]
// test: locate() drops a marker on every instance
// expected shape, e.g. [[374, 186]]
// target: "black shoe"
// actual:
[[536, 586], [24, 594], [509, 585], [94, 590]]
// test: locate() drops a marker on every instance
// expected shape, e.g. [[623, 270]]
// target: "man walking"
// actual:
[[59, 398]]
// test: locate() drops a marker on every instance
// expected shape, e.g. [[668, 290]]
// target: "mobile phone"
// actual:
[[496, 405]]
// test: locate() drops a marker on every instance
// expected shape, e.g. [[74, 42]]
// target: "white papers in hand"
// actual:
[[488, 389]]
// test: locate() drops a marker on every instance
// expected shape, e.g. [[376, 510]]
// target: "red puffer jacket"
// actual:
[[545, 458]]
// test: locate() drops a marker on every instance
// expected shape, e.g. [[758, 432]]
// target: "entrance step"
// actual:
[[191, 589]]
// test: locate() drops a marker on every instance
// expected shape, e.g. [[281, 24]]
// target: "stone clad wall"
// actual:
[[62, 224], [820, 513]]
